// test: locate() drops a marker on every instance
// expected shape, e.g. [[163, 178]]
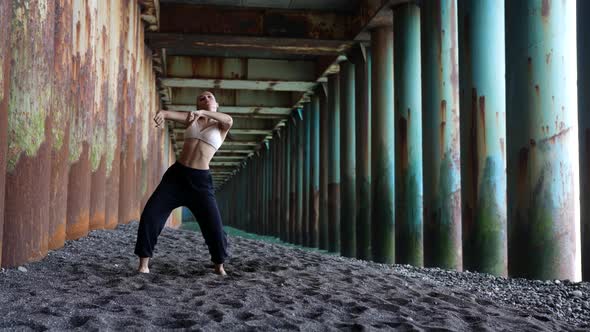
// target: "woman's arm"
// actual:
[[225, 121], [180, 117]]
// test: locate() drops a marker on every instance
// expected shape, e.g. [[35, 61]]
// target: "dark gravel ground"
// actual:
[[91, 284]]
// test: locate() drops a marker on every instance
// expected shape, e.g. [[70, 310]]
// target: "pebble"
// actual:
[[22, 269], [576, 293]]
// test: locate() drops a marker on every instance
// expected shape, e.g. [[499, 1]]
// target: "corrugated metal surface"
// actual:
[[70, 61], [5, 57]]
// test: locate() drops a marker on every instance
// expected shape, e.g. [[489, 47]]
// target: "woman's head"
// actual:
[[206, 101]]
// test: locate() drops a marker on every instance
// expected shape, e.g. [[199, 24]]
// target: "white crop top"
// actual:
[[210, 135]]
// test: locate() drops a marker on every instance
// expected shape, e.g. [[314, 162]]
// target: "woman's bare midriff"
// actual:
[[196, 154]]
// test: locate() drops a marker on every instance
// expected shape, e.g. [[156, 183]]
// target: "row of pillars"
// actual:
[[449, 143]]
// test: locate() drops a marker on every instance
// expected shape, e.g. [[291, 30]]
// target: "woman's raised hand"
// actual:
[[159, 118], [192, 117]]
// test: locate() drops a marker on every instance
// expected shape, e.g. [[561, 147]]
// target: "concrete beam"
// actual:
[[218, 45], [238, 84], [186, 18], [240, 68], [254, 111]]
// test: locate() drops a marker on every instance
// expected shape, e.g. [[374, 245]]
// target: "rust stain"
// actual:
[[545, 8], [403, 142], [443, 117], [482, 119], [548, 58]]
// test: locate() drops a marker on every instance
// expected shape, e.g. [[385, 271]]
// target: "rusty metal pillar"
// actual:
[[440, 101], [542, 131], [300, 142], [306, 174], [361, 57], [583, 10], [5, 57], [347, 160], [333, 163], [483, 127], [382, 146], [408, 121], [269, 160], [324, 147], [98, 145], [61, 108], [264, 184], [127, 165], [314, 193], [28, 168]]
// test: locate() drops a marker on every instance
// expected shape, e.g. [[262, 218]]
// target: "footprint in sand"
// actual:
[[78, 321], [231, 303], [245, 316], [174, 323], [216, 315]]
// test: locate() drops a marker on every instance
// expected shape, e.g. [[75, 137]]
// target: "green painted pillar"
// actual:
[[300, 132], [293, 178], [287, 181], [314, 203], [347, 160], [440, 110], [361, 58], [408, 129], [483, 127], [324, 147], [382, 146], [306, 174], [542, 136], [333, 163]]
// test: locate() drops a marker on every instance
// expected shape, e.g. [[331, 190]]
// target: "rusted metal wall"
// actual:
[[5, 57], [69, 72], [29, 132]]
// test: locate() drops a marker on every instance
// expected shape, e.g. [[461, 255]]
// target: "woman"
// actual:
[[188, 182]]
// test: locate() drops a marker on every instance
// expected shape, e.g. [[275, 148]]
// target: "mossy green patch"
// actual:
[[97, 147], [111, 135]]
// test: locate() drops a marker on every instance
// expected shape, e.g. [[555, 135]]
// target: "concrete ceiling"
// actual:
[[261, 58], [328, 5]]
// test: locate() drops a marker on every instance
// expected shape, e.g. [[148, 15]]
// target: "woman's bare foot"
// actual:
[[219, 270], [143, 265]]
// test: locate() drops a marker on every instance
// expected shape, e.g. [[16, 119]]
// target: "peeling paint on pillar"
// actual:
[[98, 147], [334, 163], [362, 61], [382, 146], [483, 124], [29, 133], [127, 183], [408, 121], [84, 78], [324, 147], [5, 57], [542, 131], [61, 109], [347, 160], [442, 169], [114, 110], [314, 204], [583, 46]]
